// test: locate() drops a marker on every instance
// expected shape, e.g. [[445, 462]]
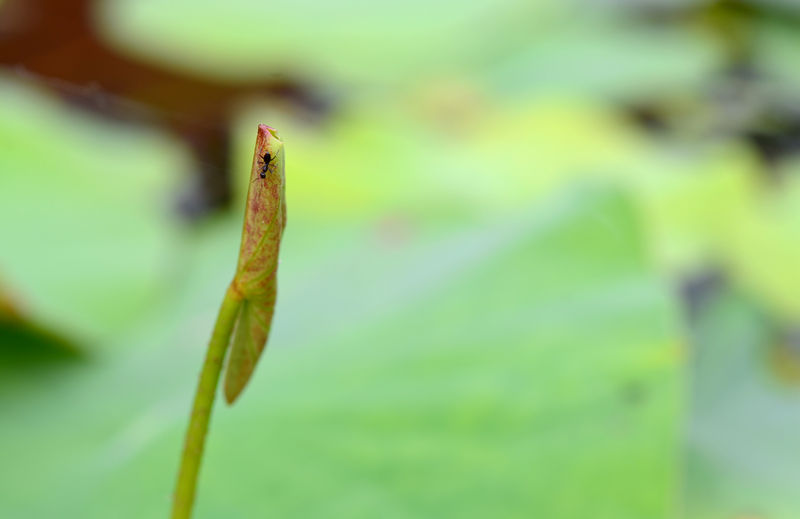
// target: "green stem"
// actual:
[[203, 402]]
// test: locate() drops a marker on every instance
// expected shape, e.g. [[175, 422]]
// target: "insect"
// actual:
[[267, 158]]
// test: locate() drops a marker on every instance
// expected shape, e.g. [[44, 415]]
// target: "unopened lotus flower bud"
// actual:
[[256, 273]]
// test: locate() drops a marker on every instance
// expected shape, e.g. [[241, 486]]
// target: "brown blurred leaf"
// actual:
[[54, 42]]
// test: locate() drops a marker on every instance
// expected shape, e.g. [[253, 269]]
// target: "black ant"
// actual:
[[267, 158]]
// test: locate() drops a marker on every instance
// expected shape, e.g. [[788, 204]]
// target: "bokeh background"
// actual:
[[541, 259]]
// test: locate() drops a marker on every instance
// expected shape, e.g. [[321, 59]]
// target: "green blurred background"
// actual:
[[541, 261]]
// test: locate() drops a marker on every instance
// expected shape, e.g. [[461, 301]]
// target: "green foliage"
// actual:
[[742, 451], [86, 238], [463, 372], [477, 289]]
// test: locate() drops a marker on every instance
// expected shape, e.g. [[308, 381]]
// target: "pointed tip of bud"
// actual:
[[267, 140], [263, 130]]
